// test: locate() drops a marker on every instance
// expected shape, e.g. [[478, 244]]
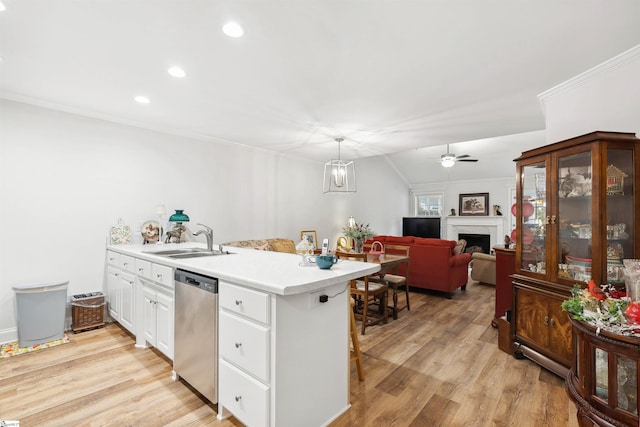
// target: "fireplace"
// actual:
[[476, 242], [494, 226]]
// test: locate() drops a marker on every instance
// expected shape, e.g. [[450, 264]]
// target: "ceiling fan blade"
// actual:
[[465, 160], [463, 156]]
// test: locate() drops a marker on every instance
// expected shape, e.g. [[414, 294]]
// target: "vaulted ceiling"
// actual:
[[392, 77]]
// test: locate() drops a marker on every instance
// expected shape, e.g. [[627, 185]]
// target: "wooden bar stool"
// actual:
[[367, 293], [356, 356]]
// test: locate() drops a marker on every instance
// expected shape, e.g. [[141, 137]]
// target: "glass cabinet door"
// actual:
[[620, 212], [573, 217], [534, 213]]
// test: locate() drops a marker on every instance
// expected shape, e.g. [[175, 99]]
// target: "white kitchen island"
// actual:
[[283, 355]]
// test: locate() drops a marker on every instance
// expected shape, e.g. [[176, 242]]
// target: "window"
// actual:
[[429, 204]]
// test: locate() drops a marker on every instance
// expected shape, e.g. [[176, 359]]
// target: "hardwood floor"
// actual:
[[437, 365]]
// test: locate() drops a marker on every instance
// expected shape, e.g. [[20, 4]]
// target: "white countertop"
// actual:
[[274, 272]]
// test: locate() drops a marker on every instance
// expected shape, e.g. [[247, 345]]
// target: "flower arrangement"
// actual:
[[604, 308], [358, 231]]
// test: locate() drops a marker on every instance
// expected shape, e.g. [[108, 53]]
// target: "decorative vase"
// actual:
[[359, 245], [632, 278]]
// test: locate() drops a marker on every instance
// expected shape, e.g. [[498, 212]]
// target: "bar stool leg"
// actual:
[[356, 355]]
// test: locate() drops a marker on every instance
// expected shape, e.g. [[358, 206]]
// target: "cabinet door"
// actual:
[[541, 324], [127, 302], [619, 230], [533, 212], [574, 215], [164, 324], [149, 315], [113, 292], [560, 334]]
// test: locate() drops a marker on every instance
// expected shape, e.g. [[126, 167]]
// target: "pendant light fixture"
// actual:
[[339, 177]]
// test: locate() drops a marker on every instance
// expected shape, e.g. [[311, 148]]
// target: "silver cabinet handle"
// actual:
[[238, 344], [238, 398], [238, 301]]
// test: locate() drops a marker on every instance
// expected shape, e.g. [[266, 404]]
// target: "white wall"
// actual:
[[66, 179], [605, 98], [501, 192]]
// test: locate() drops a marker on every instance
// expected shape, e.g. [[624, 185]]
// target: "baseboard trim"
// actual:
[[8, 335]]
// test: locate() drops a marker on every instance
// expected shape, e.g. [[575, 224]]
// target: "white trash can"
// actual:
[[41, 309]]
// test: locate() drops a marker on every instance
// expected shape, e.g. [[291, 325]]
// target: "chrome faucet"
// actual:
[[208, 232]]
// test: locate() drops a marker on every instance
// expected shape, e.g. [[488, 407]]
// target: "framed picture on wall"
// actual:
[[474, 204], [312, 237]]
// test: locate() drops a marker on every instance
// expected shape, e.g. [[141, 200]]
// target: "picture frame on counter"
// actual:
[[312, 237]]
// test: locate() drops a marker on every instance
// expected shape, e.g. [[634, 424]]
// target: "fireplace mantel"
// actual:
[[494, 226]]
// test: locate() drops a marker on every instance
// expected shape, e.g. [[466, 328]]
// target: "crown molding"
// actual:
[[624, 58]]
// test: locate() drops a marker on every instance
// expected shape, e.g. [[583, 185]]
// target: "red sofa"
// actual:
[[433, 263]]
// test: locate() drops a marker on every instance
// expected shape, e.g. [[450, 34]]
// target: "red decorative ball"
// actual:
[[633, 312], [527, 209]]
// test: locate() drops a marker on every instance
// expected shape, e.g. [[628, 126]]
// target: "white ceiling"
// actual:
[[390, 76]]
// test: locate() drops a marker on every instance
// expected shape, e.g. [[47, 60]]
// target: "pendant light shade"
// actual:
[[339, 176]]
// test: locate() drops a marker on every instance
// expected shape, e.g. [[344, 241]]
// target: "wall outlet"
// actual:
[[314, 298]]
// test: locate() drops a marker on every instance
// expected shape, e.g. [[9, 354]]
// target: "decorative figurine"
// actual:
[[175, 235], [453, 212], [496, 210], [507, 241]]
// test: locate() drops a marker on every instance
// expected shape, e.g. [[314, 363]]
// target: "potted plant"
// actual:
[[359, 233]]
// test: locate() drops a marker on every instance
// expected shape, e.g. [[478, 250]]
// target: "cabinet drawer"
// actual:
[[162, 274], [250, 303], [128, 263], [246, 398], [143, 268], [113, 258], [245, 344]]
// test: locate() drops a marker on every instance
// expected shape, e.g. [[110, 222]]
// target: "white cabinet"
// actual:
[[113, 292], [140, 296], [157, 315], [121, 289], [127, 301], [279, 355], [245, 397], [244, 345]]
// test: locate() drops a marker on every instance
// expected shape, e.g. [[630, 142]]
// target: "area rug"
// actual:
[[11, 348]]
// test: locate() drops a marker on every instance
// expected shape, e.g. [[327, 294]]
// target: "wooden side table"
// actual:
[[603, 381], [505, 267]]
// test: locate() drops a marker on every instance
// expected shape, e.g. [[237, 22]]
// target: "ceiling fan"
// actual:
[[448, 160]]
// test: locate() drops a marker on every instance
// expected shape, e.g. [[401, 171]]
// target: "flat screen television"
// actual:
[[421, 227]]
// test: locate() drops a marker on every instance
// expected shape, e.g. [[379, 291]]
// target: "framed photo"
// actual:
[[312, 237], [475, 204]]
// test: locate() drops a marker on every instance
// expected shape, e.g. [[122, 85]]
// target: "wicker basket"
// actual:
[[88, 311]]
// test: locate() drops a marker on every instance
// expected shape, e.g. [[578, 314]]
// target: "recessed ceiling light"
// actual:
[[176, 71], [142, 99], [233, 29]]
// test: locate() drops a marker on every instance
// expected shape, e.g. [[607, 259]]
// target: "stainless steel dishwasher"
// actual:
[[195, 356]]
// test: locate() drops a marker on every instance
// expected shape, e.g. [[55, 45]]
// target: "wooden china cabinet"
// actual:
[[577, 217]]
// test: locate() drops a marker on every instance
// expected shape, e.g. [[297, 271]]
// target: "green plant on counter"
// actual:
[[574, 304], [603, 308], [358, 231]]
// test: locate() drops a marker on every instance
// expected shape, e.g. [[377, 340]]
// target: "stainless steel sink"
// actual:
[[187, 253], [199, 254], [177, 251]]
